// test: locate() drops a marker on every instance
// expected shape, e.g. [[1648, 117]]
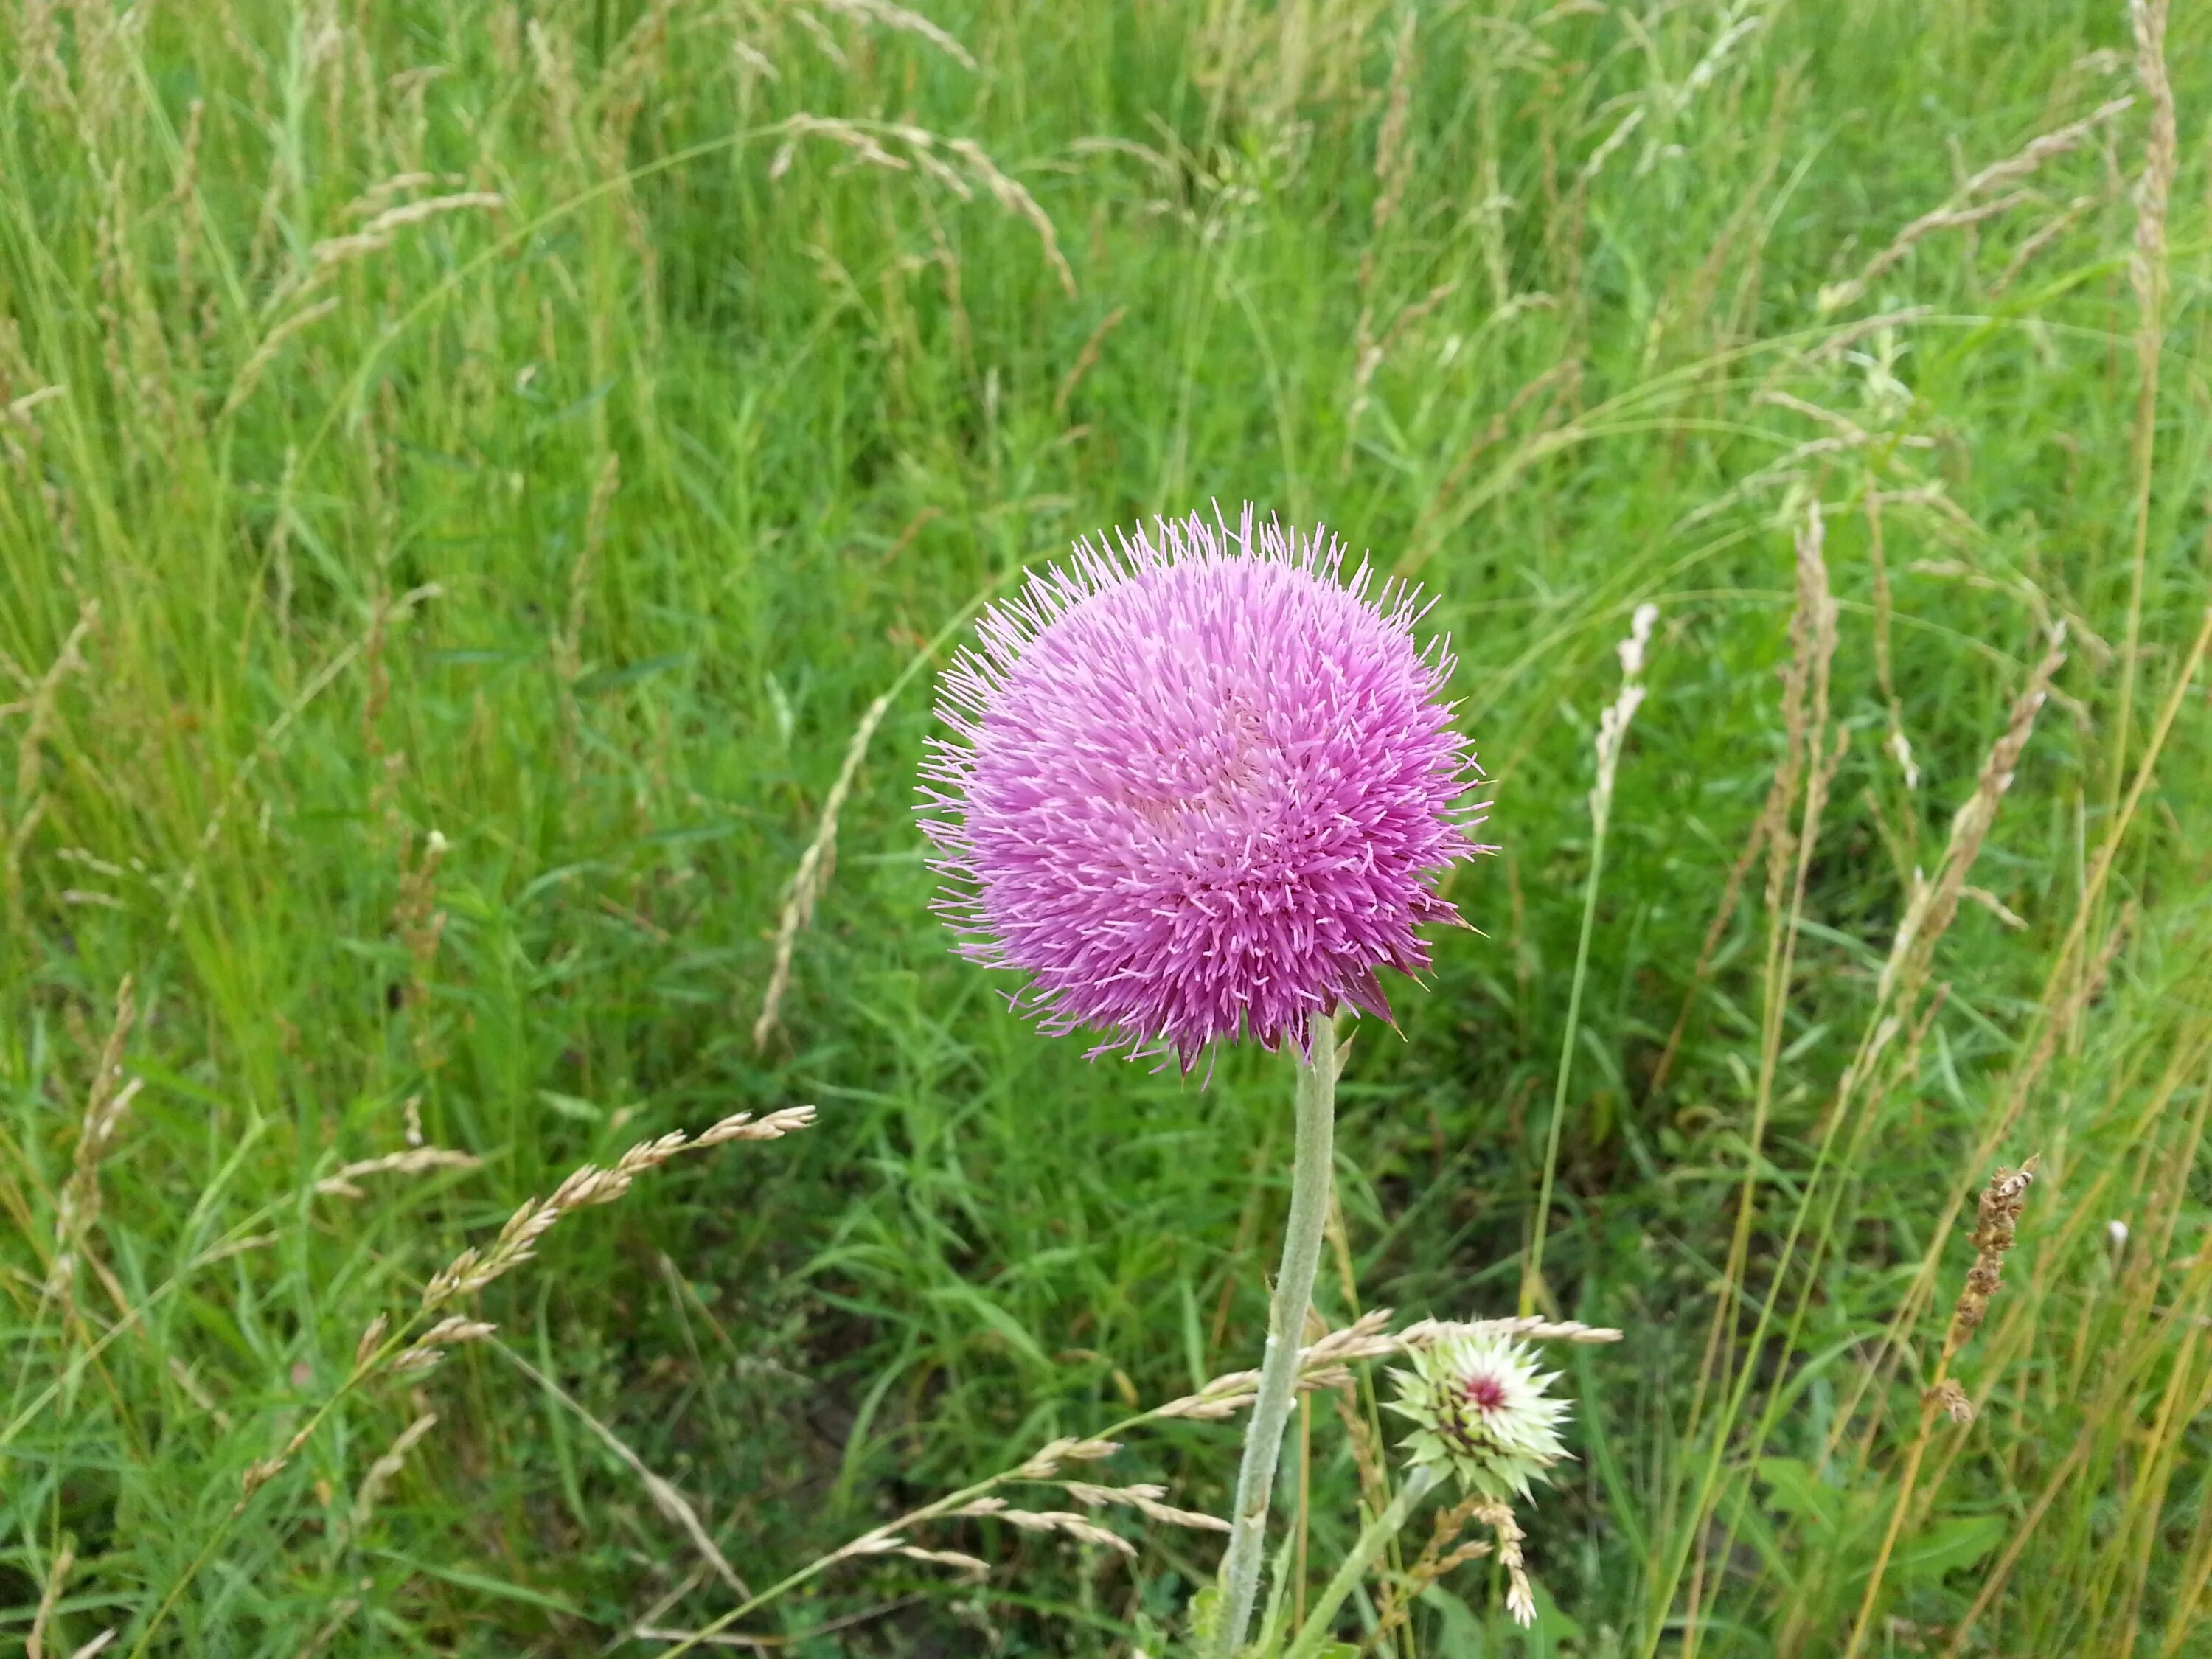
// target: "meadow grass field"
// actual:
[[486, 490]]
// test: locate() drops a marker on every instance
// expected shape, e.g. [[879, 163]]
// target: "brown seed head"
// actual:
[[1996, 1224]]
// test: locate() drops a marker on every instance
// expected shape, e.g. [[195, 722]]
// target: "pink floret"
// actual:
[[1200, 787]]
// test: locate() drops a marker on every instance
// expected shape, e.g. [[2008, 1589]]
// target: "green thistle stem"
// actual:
[[1380, 1531], [1310, 1174]]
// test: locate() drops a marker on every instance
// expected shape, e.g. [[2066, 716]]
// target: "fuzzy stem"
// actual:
[[1286, 1319], [1380, 1531]]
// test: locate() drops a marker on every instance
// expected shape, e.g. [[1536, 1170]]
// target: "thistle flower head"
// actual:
[[1198, 786], [1480, 1410]]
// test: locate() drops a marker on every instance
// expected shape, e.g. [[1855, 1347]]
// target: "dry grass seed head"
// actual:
[[816, 866], [1393, 156], [1367, 1337], [1949, 1397], [56, 1578], [1442, 1554], [371, 1339], [1520, 1594], [1223, 1397], [1529, 1327], [865, 140], [1146, 1500], [472, 1270], [1995, 1225], [1932, 906], [1613, 723], [899, 18], [1959, 209], [107, 1102], [382, 1472], [1044, 1463], [1068, 1524], [1813, 638], [2147, 265], [416, 1160], [967, 1564], [42, 711], [1367, 1455]]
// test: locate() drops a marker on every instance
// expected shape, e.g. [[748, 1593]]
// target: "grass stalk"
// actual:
[[1532, 1275], [2000, 1213], [2147, 277], [1612, 737]]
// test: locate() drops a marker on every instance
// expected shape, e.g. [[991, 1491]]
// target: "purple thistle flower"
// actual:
[[1199, 787]]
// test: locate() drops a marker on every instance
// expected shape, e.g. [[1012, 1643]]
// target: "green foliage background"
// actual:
[[738, 345]]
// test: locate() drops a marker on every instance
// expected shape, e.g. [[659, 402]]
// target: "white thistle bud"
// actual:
[[1481, 1410]]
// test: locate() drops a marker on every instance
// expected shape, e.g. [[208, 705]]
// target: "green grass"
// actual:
[[351, 576]]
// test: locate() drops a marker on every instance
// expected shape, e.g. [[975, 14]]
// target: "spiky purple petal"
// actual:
[[1199, 785]]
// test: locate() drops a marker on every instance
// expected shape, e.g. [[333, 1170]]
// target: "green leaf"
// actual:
[[608, 679], [1794, 1490], [1206, 1619], [1552, 1626], [1459, 1634], [1005, 1324], [1274, 1622], [483, 1584], [1958, 1543]]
